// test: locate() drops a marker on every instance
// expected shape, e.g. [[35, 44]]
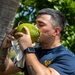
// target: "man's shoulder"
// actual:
[[64, 61], [64, 51]]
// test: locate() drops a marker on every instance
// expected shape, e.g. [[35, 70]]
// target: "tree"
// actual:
[[7, 12]]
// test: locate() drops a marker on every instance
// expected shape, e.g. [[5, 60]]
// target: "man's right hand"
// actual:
[[7, 41]]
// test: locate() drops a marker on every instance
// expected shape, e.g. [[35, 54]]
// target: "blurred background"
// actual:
[[26, 11]]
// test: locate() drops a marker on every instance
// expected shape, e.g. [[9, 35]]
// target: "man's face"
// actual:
[[44, 23]]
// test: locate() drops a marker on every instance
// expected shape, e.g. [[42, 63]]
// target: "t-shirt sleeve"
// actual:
[[64, 64]]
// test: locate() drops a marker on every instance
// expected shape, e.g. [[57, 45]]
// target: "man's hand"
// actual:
[[25, 39], [4, 51], [7, 41]]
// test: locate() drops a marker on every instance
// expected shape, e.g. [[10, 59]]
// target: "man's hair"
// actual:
[[57, 17]]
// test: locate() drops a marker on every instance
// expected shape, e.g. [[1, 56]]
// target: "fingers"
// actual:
[[13, 31], [10, 37], [20, 34], [7, 41]]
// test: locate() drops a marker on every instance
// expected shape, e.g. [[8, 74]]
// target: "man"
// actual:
[[51, 58]]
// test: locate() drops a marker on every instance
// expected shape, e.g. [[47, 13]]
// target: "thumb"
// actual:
[[26, 29]]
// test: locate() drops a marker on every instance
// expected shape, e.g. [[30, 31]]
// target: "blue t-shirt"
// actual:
[[60, 58]]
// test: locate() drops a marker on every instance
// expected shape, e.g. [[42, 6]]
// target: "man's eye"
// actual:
[[41, 25]]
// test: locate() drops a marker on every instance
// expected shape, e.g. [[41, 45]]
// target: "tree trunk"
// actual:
[[7, 12]]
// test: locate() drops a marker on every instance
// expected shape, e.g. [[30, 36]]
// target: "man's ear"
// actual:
[[56, 31]]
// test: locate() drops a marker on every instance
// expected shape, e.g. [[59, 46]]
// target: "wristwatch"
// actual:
[[29, 50]]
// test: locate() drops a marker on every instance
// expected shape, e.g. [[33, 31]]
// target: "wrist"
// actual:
[[29, 50]]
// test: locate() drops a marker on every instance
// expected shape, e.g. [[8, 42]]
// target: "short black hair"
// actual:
[[57, 17]]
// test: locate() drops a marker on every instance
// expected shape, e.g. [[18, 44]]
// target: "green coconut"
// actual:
[[34, 32]]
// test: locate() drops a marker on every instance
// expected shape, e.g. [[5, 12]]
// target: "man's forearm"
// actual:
[[34, 66], [3, 59]]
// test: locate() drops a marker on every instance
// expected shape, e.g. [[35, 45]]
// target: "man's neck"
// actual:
[[51, 45]]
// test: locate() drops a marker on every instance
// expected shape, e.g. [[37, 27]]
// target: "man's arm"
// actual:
[[36, 68], [3, 59], [6, 65], [10, 69]]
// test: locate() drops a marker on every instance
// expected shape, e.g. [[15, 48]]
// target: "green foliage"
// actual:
[[69, 38], [27, 12]]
